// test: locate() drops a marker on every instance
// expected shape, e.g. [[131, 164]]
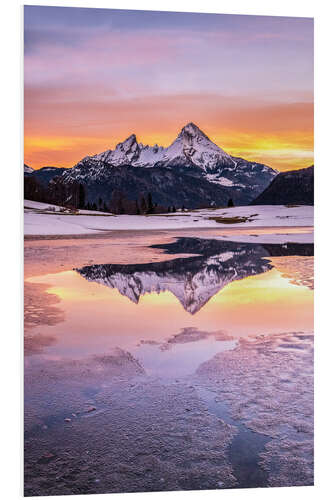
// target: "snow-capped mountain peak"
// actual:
[[125, 153], [191, 154], [193, 147], [128, 144], [192, 131]]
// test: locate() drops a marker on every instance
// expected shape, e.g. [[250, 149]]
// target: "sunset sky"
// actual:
[[95, 76]]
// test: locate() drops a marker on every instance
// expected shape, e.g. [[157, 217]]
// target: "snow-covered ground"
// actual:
[[37, 206], [272, 237], [39, 219], [28, 204]]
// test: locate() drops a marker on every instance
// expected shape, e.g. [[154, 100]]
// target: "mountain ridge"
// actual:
[[189, 146], [192, 172], [191, 158]]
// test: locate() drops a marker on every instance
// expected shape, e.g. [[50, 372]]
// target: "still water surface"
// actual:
[[174, 315]]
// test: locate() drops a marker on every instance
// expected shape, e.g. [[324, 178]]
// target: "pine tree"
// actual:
[[230, 203], [116, 204], [82, 196], [149, 203], [143, 205]]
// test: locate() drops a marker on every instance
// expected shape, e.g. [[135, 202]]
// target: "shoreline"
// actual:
[[109, 233]]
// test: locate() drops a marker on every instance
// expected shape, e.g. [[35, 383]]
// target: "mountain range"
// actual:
[[192, 171]]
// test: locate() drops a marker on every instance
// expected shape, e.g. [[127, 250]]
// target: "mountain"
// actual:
[[37, 183], [192, 280], [191, 171], [293, 187], [27, 169], [167, 186], [191, 148], [45, 174]]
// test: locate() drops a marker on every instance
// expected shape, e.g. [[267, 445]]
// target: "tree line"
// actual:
[[68, 195], [74, 195]]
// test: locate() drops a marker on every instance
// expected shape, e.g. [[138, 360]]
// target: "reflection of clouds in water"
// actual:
[[181, 354], [189, 334]]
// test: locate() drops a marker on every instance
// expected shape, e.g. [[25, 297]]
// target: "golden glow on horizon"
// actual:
[[277, 133], [280, 151]]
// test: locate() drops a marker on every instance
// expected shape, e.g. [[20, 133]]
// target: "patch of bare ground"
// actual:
[[231, 220], [268, 383]]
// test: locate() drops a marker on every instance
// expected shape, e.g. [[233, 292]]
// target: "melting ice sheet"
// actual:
[[192, 373]]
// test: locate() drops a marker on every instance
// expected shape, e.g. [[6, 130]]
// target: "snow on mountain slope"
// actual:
[[191, 147], [191, 172], [191, 152], [27, 169], [125, 153], [130, 152]]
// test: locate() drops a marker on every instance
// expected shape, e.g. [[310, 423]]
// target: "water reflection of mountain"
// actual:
[[193, 280]]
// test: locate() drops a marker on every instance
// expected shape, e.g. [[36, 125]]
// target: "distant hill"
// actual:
[[27, 169], [295, 186], [45, 174]]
